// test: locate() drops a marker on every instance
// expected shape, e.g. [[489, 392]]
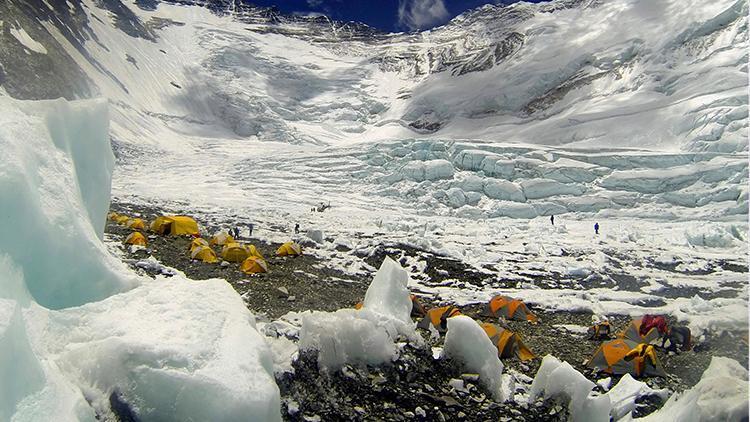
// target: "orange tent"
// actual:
[[509, 308], [438, 317], [507, 342], [622, 356]]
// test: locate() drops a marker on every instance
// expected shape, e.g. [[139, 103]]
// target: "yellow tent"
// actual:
[[254, 265], [198, 241], [289, 249], [253, 251], [234, 252], [175, 224], [510, 309], [136, 238], [507, 342], [136, 224], [205, 254], [221, 239], [112, 216], [121, 219]]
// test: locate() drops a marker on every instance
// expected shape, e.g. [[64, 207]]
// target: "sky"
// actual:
[[386, 15]]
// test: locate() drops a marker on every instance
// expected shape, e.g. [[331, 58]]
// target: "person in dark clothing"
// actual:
[[596, 228], [250, 228], [552, 219], [296, 228]]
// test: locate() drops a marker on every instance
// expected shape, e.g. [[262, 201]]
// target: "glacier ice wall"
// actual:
[[54, 194], [78, 330]]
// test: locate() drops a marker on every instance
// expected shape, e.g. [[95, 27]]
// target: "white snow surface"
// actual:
[[24, 38], [267, 125], [77, 326], [559, 380], [632, 114], [720, 395], [467, 343]]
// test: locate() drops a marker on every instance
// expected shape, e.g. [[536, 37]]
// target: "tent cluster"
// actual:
[[248, 256], [507, 342], [136, 237], [632, 352]]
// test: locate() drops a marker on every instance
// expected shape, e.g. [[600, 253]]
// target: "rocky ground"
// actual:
[[416, 386]]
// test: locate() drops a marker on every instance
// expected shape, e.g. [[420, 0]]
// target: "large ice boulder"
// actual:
[[170, 349], [165, 349], [556, 379], [720, 395], [467, 343], [348, 336], [366, 336], [388, 293], [54, 195], [544, 188], [502, 189], [428, 170]]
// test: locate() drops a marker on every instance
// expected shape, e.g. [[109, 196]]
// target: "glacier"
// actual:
[[78, 328], [462, 141]]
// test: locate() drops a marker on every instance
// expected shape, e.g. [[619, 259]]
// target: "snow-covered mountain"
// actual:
[[460, 142], [667, 76], [521, 110]]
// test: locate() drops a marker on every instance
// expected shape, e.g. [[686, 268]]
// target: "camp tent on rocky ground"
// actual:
[[509, 308], [234, 252], [121, 219], [438, 317], [136, 224], [175, 225], [205, 254], [254, 265], [112, 216], [221, 239], [507, 342], [289, 249], [622, 356], [136, 238], [198, 241], [632, 332]]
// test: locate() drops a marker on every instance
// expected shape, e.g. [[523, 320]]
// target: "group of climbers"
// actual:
[[250, 259]]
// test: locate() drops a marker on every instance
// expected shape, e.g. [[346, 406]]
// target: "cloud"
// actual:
[[420, 14], [314, 3]]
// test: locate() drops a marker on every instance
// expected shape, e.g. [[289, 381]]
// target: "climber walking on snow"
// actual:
[[596, 228]]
